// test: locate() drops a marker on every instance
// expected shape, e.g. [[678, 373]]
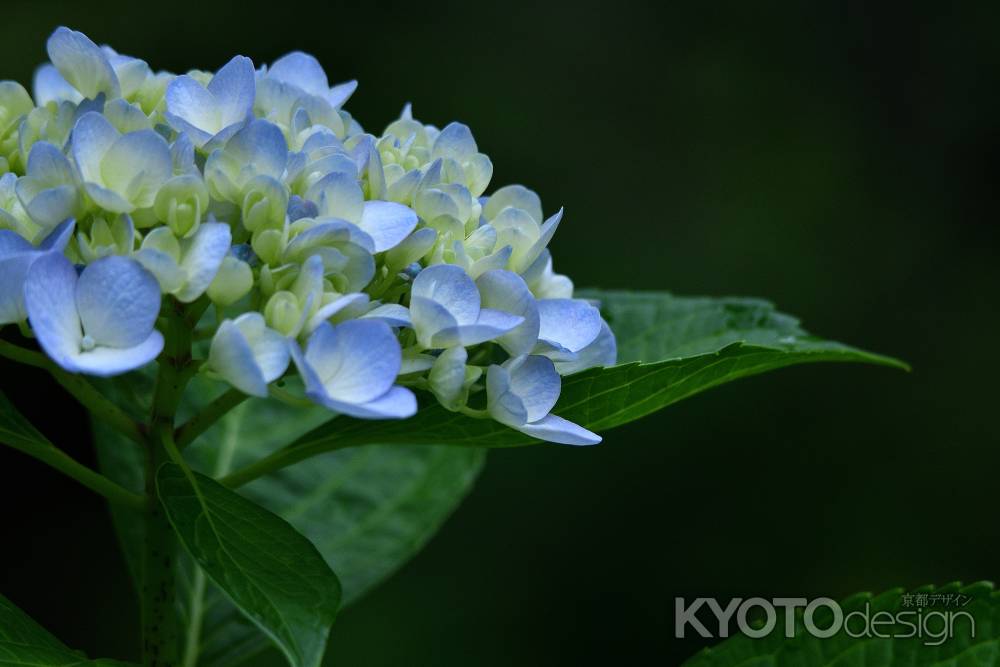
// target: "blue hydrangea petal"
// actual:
[[118, 302], [234, 88], [358, 360], [388, 223], [202, 259], [50, 301], [556, 429], [82, 63]]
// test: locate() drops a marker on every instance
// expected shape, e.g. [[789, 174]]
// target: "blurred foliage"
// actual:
[[834, 158]]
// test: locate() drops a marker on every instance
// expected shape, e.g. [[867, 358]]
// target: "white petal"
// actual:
[[13, 272], [270, 348], [535, 381], [234, 88], [58, 237], [182, 154], [301, 70], [334, 307], [192, 109], [430, 319], [397, 403], [559, 430], [603, 351], [107, 361], [261, 146], [516, 196], [136, 166], [327, 233], [447, 376], [310, 377], [118, 301], [48, 164], [50, 86], [126, 117], [454, 142], [507, 291], [82, 63], [338, 196], [392, 314], [202, 259], [503, 404], [131, 72], [232, 357], [388, 223], [569, 324], [108, 199], [490, 325], [416, 362], [50, 301], [12, 243], [340, 93], [547, 231], [164, 268], [51, 205], [498, 260], [357, 361], [451, 288], [92, 137]]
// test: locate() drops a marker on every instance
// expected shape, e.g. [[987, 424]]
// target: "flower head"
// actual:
[[367, 263]]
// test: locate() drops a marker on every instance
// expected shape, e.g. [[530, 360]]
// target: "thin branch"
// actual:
[[212, 413], [276, 461], [80, 389], [58, 459]]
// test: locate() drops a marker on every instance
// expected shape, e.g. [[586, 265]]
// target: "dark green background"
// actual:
[[838, 159]]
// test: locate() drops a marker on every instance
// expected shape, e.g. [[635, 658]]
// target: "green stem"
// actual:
[[276, 461], [101, 408], [288, 398], [92, 480], [474, 413], [195, 610], [212, 413], [159, 627]]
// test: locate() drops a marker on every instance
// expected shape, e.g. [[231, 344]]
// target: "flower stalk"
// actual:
[[159, 626]]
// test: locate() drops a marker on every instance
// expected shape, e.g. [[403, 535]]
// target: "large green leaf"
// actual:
[[25, 642], [271, 572], [960, 649], [367, 510], [670, 348]]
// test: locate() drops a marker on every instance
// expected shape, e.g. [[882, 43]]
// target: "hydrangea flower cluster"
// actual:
[[367, 265]]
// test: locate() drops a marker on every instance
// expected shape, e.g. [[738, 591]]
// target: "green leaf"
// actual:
[[270, 571], [981, 602], [367, 510], [670, 348], [16, 430], [370, 509], [24, 642]]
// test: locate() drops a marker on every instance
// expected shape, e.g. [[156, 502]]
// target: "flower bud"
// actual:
[[265, 201], [106, 239], [269, 244], [450, 379], [283, 313], [14, 103], [233, 281], [180, 204]]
